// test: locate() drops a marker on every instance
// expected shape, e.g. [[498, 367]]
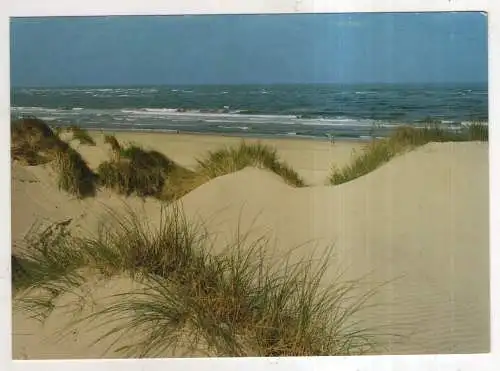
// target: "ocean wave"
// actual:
[[201, 114], [157, 119], [334, 123], [35, 109], [160, 110], [234, 127]]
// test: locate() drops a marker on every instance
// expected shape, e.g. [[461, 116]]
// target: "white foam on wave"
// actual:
[[225, 121], [197, 114], [172, 114], [234, 127], [35, 109], [160, 110], [335, 122]]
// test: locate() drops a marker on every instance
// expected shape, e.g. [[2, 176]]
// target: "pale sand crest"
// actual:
[[419, 222]]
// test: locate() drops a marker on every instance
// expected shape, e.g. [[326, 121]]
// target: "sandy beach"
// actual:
[[418, 225]]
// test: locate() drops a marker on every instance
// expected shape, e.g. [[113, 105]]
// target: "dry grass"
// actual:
[[45, 268], [232, 304], [149, 173], [404, 138], [225, 161], [135, 171], [33, 143], [180, 182], [82, 136], [115, 146], [228, 160], [74, 175]]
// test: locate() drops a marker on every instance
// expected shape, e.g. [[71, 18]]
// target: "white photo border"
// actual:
[[30, 8]]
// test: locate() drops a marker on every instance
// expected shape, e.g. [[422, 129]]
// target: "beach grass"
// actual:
[[476, 131], [82, 135], [74, 175], [45, 267], [115, 146], [233, 303], [150, 173], [231, 159], [403, 139], [180, 182], [34, 143], [31, 139], [225, 161], [134, 170], [111, 140]]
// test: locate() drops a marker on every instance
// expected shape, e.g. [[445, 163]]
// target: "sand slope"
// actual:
[[312, 159], [422, 218]]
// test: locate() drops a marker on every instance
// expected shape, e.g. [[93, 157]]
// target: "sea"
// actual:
[[316, 111]]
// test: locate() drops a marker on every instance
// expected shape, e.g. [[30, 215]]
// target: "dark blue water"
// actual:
[[351, 111]]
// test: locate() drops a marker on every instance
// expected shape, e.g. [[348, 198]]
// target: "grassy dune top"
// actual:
[[404, 139], [33, 143], [132, 169]]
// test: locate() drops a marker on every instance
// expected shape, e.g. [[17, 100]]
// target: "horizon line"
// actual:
[[247, 84]]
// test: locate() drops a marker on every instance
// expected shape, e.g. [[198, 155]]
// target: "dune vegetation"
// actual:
[[34, 143], [235, 303], [402, 140], [82, 135], [225, 161], [150, 173], [228, 160], [134, 170]]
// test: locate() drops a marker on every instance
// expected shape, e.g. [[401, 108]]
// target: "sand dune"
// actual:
[[421, 219], [312, 159], [420, 222]]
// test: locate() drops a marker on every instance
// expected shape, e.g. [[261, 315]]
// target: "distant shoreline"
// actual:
[[283, 137]]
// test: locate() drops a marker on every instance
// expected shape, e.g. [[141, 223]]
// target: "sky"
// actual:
[[251, 49]]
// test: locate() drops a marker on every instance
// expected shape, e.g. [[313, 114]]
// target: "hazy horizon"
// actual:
[[458, 83]]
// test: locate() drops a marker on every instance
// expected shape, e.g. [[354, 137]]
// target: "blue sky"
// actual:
[[253, 49]]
